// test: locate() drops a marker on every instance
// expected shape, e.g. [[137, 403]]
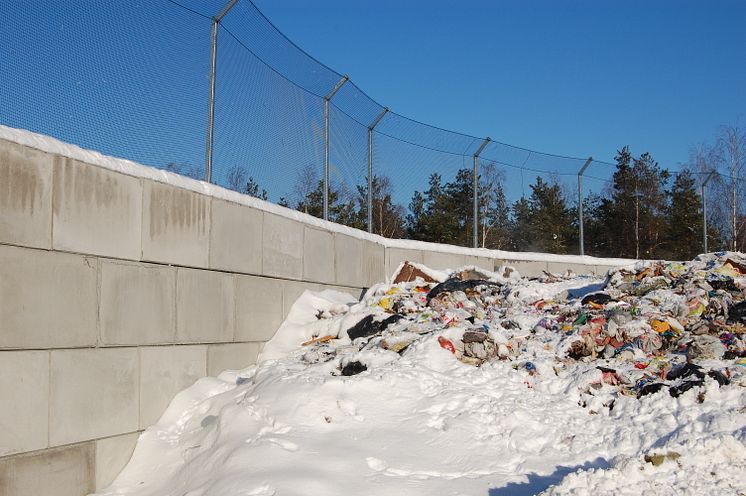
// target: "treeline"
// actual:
[[645, 212]]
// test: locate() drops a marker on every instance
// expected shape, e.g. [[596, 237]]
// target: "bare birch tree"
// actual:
[[731, 146]]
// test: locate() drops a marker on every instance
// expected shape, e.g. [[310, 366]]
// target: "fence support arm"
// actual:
[[476, 190], [370, 166], [704, 209], [327, 99], [213, 70], [580, 203]]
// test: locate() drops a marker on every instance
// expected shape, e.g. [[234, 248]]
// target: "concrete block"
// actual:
[[395, 256], [205, 306], [47, 299], [579, 269], [602, 270], [485, 263], [282, 247], [164, 371], [93, 394], [112, 454], [356, 293], [231, 356], [235, 238], [259, 310], [318, 255], [137, 303], [176, 225], [25, 196], [24, 395], [67, 471], [439, 260], [96, 210], [374, 256], [292, 290], [525, 268], [349, 261]]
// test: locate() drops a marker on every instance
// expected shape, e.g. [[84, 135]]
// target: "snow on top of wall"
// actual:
[[54, 146]]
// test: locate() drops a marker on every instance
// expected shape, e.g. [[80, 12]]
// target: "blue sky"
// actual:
[[576, 77]]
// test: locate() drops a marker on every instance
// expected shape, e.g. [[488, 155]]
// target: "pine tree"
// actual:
[[415, 224], [252, 189], [617, 210], [459, 202], [635, 213], [684, 219], [433, 214], [651, 206], [521, 226], [550, 220], [340, 211], [445, 212]]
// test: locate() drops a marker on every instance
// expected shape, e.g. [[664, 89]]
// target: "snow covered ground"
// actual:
[[491, 384]]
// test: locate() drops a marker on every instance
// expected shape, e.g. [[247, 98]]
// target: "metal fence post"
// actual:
[[328, 99], [213, 70], [370, 167], [704, 209], [476, 191], [580, 203]]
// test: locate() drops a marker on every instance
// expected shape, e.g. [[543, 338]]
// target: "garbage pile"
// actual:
[[476, 382], [652, 327], [664, 325]]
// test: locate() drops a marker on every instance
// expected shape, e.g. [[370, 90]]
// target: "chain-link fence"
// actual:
[[211, 89]]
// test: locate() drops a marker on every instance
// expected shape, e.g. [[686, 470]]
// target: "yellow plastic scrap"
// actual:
[[660, 326], [727, 270], [696, 308], [393, 291], [676, 269], [385, 303]]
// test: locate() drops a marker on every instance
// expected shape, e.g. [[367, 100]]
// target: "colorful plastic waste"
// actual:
[[653, 327]]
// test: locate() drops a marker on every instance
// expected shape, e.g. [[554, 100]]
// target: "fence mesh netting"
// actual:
[[132, 79]]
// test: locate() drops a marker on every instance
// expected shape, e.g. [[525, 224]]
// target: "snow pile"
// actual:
[[477, 383]]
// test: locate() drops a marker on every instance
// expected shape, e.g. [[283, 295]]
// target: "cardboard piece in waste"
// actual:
[[409, 273]]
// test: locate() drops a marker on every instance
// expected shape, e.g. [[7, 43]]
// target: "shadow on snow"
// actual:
[[538, 483]]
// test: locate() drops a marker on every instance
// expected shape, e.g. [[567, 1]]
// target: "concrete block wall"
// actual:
[[117, 291]]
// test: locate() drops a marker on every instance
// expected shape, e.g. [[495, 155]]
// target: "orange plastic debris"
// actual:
[[660, 326]]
